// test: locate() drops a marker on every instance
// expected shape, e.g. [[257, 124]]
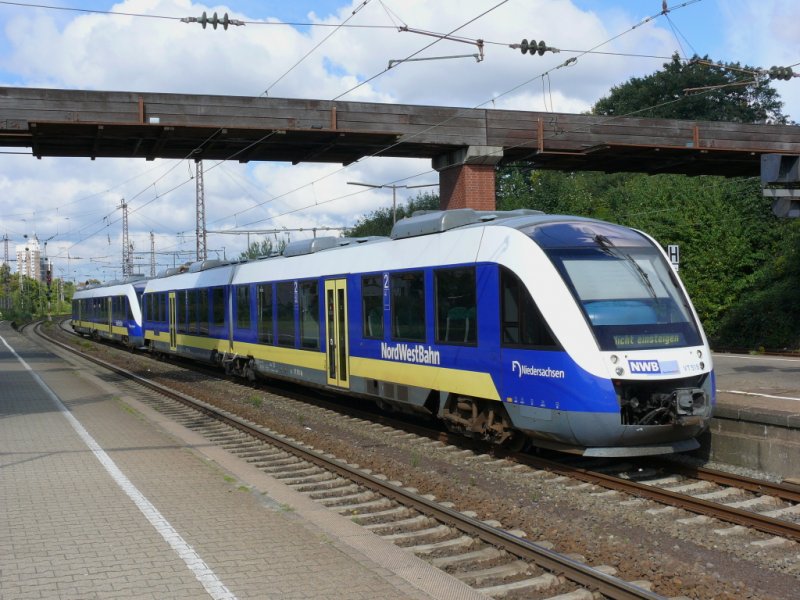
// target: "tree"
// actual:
[[379, 222], [725, 92], [263, 248], [734, 252]]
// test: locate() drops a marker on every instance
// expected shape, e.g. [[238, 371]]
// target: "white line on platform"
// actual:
[[208, 579], [748, 357], [760, 395]]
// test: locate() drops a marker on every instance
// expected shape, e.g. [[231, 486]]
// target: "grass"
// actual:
[[254, 400], [415, 459]]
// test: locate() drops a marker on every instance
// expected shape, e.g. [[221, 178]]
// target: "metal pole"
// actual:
[[394, 204]]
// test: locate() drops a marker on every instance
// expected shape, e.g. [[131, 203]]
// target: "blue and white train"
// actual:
[[569, 333], [111, 312]]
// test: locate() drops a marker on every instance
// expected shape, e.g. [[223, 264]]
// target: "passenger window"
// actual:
[[285, 307], [521, 322], [309, 315], [408, 306], [265, 313], [456, 306], [218, 306], [372, 306], [180, 311], [162, 308], [191, 308], [202, 316], [243, 307]]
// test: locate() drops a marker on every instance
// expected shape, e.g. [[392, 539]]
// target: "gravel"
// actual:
[[689, 560]]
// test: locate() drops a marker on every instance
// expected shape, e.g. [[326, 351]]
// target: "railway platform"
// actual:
[[756, 422], [104, 498]]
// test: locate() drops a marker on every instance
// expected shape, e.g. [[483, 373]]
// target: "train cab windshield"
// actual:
[[622, 283]]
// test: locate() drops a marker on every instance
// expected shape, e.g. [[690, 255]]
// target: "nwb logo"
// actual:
[[644, 366]]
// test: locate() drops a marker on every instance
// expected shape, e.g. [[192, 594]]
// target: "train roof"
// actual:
[[421, 224], [112, 288]]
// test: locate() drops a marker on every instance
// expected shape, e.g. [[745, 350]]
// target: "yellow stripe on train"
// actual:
[[469, 383]]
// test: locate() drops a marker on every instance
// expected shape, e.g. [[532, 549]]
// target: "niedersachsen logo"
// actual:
[[531, 371], [417, 354]]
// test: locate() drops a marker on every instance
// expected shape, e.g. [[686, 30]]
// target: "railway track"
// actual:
[[744, 502], [492, 560], [712, 494]]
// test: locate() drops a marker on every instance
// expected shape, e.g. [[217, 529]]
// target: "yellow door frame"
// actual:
[[173, 333], [338, 351]]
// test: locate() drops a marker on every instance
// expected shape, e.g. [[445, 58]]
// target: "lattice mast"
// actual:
[[127, 258], [202, 253], [152, 255]]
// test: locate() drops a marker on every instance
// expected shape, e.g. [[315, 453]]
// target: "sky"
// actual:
[[285, 51]]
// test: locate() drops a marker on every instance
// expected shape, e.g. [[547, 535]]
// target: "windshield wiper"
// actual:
[[607, 246]]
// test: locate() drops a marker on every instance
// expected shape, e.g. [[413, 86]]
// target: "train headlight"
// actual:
[[620, 371], [614, 359], [699, 354], [702, 365]]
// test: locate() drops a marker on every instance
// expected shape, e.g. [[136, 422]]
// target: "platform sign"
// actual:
[[674, 254]]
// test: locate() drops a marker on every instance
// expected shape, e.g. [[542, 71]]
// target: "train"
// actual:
[[112, 312], [513, 327]]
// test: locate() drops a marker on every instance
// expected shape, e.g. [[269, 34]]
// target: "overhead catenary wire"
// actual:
[[117, 13], [307, 54], [413, 54], [453, 31], [325, 202], [445, 121]]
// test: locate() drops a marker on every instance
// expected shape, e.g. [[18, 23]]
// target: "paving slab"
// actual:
[[105, 498]]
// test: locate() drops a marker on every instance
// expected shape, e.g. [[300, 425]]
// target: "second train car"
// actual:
[[111, 312]]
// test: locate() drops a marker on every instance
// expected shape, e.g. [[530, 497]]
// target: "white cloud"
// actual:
[[70, 197]]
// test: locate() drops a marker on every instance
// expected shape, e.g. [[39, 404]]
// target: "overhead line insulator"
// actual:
[[214, 20], [532, 47], [784, 73]]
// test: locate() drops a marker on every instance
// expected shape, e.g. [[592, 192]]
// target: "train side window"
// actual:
[[162, 308], [115, 316], [243, 306], [180, 311], [521, 322], [285, 308], [265, 313], [309, 315], [456, 306], [191, 311], [218, 306], [202, 312], [372, 306], [408, 306]]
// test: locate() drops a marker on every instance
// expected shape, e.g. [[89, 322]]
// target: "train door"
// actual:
[[109, 313], [336, 328], [173, 321]]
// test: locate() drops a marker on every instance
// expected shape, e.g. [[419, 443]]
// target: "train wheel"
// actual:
[[483, 419], [516, 443]]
